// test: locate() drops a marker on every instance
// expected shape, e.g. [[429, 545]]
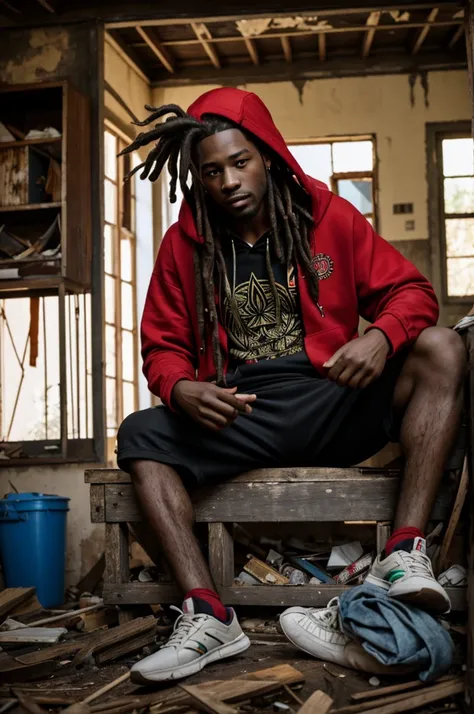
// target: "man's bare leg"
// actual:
[[169, 512], [430, 392]]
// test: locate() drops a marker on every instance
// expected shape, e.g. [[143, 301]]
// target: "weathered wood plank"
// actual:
[[302, 473], [349, 499], [97, 496], [221, 555], [116, 553], [266, 595]]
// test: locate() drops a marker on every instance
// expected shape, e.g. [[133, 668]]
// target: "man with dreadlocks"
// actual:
[[250, 339]]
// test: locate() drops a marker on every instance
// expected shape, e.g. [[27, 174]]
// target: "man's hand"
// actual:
[[360, 362], [209, 405]]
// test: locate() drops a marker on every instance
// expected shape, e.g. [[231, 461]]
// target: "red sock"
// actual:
[[206, 601], [402, 539]]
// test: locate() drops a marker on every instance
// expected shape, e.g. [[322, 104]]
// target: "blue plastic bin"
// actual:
[[33, 544]]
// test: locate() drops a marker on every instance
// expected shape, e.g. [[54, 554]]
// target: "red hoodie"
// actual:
[[360, 274]]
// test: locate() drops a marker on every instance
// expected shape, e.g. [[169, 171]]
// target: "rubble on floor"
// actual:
[[87, 670]]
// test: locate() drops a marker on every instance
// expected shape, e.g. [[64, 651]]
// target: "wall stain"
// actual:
[[46, 50], [299, 85]]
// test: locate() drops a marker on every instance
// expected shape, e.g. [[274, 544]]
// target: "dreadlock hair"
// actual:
[[176, 139]]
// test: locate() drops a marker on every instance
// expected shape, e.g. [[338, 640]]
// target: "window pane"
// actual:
[[126, 259], [128, 398], [110, 209], [128, 307], [110, 163], [109, 299], [357, 192], [352, 156], [128, 356], [458, 157], [314, 159], [108, 249], [459, 237], [110, 361], [459, 195], [460, 276], [111, 405]]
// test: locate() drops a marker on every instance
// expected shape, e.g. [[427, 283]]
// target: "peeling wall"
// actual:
[[28, 56]]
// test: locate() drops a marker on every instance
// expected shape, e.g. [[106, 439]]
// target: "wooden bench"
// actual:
[[295, 495]]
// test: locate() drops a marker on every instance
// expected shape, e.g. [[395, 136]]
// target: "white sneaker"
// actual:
[[197, 639], [409, 577], [319, 633]]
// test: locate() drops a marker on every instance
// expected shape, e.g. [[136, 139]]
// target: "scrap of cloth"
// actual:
[[396, 633]]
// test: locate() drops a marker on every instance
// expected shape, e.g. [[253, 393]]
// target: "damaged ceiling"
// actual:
[[341, 39], [236, 50]]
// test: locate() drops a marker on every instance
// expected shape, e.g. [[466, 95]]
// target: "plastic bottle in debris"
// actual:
[[295, 576]]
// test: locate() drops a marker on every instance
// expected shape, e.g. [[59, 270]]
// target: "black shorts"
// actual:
[[298, 419]]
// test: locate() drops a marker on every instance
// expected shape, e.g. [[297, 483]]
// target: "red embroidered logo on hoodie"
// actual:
[[323, 265]]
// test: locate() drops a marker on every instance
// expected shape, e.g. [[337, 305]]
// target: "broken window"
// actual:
[[457, 215]]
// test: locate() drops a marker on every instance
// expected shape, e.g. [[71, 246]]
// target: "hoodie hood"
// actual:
[[247, 110]]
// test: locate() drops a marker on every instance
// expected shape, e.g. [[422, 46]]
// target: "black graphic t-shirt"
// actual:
[[255, 327]]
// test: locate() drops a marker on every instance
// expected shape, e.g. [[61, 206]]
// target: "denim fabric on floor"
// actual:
[[396, 633]]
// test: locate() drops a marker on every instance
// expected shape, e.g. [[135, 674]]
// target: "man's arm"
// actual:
[[393, 296]]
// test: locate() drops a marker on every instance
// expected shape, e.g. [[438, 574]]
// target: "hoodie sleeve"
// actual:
[[392, 294], [168, 346]]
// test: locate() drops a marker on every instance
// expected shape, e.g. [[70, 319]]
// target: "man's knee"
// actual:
[[441, 350]]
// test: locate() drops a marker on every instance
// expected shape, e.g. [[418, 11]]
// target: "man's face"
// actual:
[[233, 173]]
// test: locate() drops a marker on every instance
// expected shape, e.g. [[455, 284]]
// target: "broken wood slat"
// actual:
[[128, 647], [63, 617], [413, 700], [318, 703], [90, 581], [27, 703], [77, 708], [12, 597], [264, 572], [106, 688], [394, 689], [207, 701], [16, 673], [455, 516], [103, 641]]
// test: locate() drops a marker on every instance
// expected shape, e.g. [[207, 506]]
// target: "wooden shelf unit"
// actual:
[[60, 105]]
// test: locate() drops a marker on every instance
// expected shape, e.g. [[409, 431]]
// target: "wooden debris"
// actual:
[[27, 703], [12, 597], [283, 673], [264, 572], [115, 636], [12, 671], [207, 701], [25, 635], [30, 606], [318, 703], [407, 701], [394, 689], [64, 617], [107, 688], [77, 708], [135, 644]]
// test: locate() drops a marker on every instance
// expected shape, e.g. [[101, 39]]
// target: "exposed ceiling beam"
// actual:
[[456, 37], [127, 53], [316, 31], [157, 48], [424, 31], [372, 22], [123, 13], [202, 33], [307, 69], [251, 46], [287, 51], [322, 47]]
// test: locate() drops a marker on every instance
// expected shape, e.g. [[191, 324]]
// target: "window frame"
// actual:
[[435, 134], [120, 233], [335, 176]]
